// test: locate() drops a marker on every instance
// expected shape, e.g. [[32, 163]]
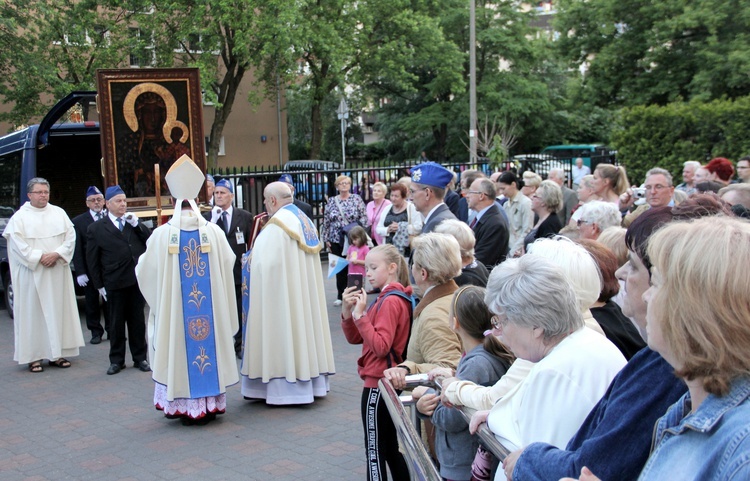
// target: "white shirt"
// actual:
[[580, 173]]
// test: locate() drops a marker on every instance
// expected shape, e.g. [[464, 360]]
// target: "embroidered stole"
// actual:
[[197, 308]]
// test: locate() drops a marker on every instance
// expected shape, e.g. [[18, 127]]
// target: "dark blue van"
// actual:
[[65, 149]]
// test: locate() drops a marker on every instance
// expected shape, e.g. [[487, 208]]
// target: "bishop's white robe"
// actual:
[[158, 274], [47, 324], [288, 354]]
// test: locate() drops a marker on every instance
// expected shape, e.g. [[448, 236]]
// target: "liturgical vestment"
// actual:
[[287, 342]]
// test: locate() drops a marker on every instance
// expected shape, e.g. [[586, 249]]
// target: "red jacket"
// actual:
[[380, 333]]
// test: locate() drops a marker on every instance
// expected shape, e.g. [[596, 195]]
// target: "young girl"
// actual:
[[357, 250], [485, 361], [383, 331]]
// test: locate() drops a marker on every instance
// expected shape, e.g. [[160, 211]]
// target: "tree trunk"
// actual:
[[227, 94], [316, 122]]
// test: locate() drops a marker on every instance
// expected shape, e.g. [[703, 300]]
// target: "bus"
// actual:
[[592, 154]]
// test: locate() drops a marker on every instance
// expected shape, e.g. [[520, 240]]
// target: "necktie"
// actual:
[[99, 216], [119, 223], [225, 220], [473, 223]]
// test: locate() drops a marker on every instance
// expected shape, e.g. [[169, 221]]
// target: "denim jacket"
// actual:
[[615, 438], [711, 444]]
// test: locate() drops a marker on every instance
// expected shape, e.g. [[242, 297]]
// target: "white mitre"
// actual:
[[185, 180]]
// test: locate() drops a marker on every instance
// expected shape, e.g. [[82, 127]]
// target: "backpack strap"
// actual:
[[412, 304]]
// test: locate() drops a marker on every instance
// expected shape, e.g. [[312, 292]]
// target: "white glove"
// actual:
[[131, 219], [82, 280], [103, 292], [215, 214]]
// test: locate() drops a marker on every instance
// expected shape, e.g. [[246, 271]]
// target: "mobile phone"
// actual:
[[355, 280]]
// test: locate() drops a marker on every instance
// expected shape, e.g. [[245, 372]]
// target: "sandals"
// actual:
[[61, 363], [36, 366]]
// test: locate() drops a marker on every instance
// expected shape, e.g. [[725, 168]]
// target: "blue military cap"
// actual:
[[112, 191], [226, 184], [93, 190], [286, 178], [210, 178], [432, 174]]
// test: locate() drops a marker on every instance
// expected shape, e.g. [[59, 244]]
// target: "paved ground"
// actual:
[[79, 423]]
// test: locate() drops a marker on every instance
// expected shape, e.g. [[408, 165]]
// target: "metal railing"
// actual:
[[420, 464]]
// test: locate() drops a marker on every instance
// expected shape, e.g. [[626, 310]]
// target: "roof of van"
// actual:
[[573, 146]]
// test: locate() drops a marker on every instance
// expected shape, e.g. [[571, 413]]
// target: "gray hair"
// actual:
[[603, 214], [532, 291], [577, 264], [557, 173], [439, 255], [660, 171], [487, 187], [531, 179], [692, 163], [463, 234], [586, 181], [36, 180], [381, 185], [550, 194]]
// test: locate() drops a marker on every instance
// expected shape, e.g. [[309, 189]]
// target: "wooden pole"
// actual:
[[157, 189]]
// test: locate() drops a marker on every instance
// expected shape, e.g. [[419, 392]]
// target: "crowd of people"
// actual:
[[600, 331], [596, 331]]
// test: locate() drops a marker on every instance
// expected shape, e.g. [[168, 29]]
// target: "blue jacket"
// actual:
[[615, 439], [454, 446], [711, 444]]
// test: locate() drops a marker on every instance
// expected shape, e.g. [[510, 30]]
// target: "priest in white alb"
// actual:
[[287, 342], [41, 241], [186, 277]]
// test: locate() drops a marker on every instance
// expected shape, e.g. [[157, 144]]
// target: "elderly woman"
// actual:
[[399, 220], [341, 211], [704, 337], [545, 202], [531, 182], [472, 271], [610, 182], [537, 318], [607, 314], [616, 436], [436, 260], [375, 210], [595, 217]]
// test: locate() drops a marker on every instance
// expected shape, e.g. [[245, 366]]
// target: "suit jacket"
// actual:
[[570, 200], [451, 200], [491, 233], [81, 224], [441, 213], [304, 207], [112, 255], [242, 221]]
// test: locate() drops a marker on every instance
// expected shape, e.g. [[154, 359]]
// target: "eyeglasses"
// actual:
[[40, 192], [498, 322], [417, 190], [95, 200], [655, 188], [581, 221], [475, 192]]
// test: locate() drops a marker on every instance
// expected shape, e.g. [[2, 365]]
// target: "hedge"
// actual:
[[667, 136]]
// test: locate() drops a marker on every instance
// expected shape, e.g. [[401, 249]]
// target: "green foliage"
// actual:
[[645, 52], [667, 136]]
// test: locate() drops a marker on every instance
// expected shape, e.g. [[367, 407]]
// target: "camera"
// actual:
[[639, 192]]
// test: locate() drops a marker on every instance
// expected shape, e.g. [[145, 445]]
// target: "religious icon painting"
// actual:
[[149, 117]]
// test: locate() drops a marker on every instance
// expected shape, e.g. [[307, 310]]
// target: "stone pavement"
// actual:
[[80, 424]]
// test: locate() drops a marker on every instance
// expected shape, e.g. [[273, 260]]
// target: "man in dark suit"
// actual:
[[452, 199], [303, 206], [489, 226], [113, 247], [237, 224], [94, 308], [427, 190], [570, 198]]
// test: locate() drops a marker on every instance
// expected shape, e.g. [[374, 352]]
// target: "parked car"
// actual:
[[592, 154], [311, 185], [540, 163]]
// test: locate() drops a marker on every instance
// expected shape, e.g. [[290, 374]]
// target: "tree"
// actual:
[[49, 50], [640, 52]]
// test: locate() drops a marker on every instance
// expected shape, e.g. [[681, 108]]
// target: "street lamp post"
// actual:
[[472, 81], [343, 113]]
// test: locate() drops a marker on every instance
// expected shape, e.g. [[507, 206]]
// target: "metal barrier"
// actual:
[[420, 464]]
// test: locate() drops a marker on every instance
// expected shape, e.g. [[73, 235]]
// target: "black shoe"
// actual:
[[96, 339], [143, 366], [115, 368]]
